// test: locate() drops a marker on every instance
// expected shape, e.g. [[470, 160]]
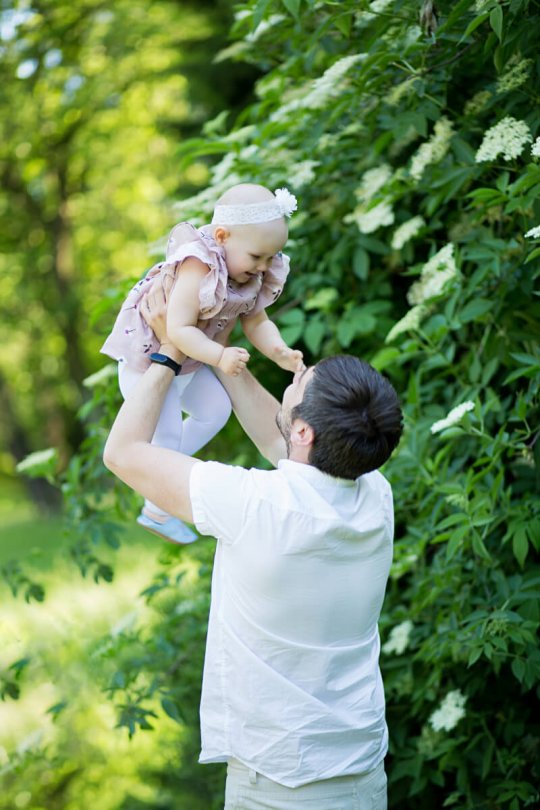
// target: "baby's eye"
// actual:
[[254, 256]]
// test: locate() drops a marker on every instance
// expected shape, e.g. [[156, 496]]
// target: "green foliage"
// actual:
[[377, 123], [408, 249]]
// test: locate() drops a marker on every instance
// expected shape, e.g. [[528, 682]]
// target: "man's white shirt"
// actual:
[[291, 684]]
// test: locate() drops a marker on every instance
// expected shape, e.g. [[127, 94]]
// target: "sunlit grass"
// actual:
[[64, 638]]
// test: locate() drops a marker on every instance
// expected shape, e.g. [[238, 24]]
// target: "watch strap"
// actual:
[[163, 360]]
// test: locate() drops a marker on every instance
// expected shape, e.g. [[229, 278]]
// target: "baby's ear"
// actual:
[[221, 234]]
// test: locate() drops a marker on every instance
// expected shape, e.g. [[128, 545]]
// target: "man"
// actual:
[[292, 694]]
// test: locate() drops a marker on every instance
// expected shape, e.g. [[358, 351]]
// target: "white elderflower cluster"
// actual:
[[330, 83], [264, 26], [303, 173], [328, 140], [453, 418], [477, 103], [398, 640], [535, 148], [249, 152], [375, 8], [240, 135], [434, 150], [38, 459], [516, 73], [369, 220], [399, 90], [372, 181], [407, 231], [409, 323], [435, 275], [507, 138], [533, 233], [449, 713]]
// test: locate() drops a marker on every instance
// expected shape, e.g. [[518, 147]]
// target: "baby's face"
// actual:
[[250, 249]]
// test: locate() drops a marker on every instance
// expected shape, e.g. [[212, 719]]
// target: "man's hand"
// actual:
[[289, 359], [233, 360], [153, 308], [154, 311]]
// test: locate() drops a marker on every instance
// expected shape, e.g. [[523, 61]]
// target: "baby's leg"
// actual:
[[168, 432], [208, 406]]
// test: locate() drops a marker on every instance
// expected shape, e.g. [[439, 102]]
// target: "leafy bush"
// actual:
[[409, 139]]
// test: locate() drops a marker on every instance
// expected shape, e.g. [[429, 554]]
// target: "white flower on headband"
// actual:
[[286, 201]]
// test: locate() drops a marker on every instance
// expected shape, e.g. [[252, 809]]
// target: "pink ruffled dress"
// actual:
[[220, 297]]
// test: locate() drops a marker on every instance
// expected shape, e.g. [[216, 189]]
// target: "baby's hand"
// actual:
[[233, 360], [290, 359]]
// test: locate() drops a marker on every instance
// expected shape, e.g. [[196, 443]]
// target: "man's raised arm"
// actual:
[[159, 474], [256, 410]]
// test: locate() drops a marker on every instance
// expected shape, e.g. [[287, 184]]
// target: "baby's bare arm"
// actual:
[[265, 336], [182, 318]]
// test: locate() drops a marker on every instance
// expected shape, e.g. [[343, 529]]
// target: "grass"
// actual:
[[63, 714]]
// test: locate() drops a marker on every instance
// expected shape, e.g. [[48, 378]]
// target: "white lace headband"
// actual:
[[283, 205]]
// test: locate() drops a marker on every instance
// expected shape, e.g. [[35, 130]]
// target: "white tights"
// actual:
[[201, 396]]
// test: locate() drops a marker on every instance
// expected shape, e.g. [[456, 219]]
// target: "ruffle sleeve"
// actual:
[[273, 282], [186, 241]]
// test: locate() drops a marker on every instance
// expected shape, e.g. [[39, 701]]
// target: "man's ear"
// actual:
[[221, 234], [302, 434]]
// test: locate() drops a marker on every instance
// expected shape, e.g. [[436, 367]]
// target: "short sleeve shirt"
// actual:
[[291, 683]]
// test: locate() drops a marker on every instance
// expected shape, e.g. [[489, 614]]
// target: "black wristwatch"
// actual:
[[163, 360]]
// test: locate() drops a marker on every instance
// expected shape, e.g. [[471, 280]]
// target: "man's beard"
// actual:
[[284, 427]]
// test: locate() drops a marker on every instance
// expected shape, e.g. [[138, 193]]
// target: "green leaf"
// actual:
[[385, 357], [474, 24], [452, 520], [455, 542], [361, 263], [322, 299], [343, 24], [520, 544], [292, 6], [526, 359], [474, 655], [56, 708], [292, 323], [496, 21], [171, 710], [518, 669], [260, 11], [535, 253], [487, 758], [475, 309], [292, 317], [314, 334], [479, 547]]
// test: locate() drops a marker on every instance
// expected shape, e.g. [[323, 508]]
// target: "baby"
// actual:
[[229, 270]]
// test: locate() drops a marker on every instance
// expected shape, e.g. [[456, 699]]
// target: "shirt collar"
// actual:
[[311, 473]]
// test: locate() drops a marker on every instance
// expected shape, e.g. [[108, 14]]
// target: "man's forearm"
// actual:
[[256, 410], [138, 416], [159, 474]]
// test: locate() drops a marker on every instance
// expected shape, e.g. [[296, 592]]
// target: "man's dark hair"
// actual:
[[355, 415]]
